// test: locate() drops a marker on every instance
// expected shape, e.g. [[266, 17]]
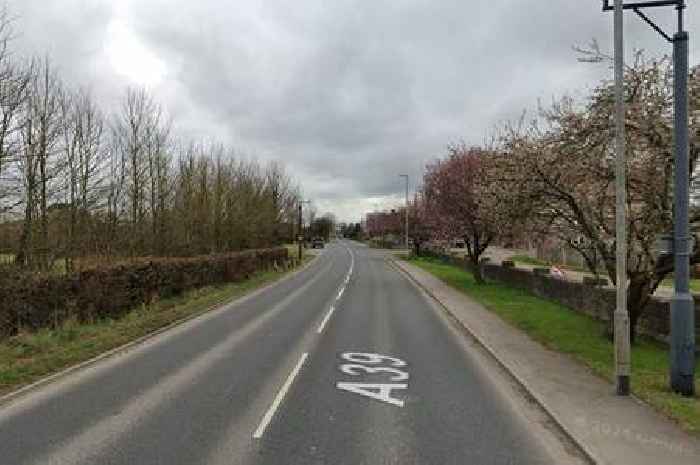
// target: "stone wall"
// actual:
[[598, 302]]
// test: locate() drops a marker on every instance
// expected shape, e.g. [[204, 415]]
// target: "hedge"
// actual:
[[29, 302]]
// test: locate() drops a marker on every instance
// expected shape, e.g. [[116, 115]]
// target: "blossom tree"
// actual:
[[566, 167], [465, 198]]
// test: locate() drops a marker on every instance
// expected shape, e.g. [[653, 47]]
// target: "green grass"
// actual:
[[527, 260], [28, 357], [293, 250], [580, 336], [694, 283]]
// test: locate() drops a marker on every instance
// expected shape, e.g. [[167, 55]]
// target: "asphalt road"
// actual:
[[344, 363]]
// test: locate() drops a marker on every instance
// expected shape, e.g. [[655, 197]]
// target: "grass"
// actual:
[[527, 260], [694, 283], [26, 358], [559, 328]]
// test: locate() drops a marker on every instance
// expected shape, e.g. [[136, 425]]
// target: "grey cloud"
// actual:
[[350, 93]]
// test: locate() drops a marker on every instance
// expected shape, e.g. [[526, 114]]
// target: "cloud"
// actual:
[[348, 94]]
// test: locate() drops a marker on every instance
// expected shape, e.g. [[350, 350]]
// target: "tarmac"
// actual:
[[609, 429]]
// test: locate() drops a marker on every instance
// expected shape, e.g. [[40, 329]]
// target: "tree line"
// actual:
[[80, 183], [552, 175]]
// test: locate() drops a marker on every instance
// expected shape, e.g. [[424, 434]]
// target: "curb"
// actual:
[[218, 306], [589, 454]]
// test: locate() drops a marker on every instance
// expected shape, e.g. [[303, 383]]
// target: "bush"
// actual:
[[31, 301]]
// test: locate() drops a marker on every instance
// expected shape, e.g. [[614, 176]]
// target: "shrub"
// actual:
[[29, 302]]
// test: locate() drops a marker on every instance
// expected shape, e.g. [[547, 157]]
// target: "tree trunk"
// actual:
[[24, 255], [416, 245], [477, 272], [638, 295]]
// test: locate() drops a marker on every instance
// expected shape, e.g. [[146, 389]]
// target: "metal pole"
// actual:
[[621, 319], [682, 306], [406, 212], [299, 233]]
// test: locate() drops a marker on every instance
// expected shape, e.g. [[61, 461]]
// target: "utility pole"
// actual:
[[682, 306], [621, 320], [406, 212], [300, 237]]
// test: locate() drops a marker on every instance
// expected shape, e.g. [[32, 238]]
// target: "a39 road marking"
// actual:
[[364, 363]]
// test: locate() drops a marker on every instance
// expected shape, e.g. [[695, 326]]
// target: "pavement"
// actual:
[[345, 362], [609, 429]]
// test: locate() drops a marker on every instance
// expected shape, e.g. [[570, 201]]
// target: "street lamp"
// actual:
[[406, 213], [682, 307], [300, 237]]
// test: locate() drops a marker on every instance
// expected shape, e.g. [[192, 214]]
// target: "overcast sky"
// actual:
[[347, 93]]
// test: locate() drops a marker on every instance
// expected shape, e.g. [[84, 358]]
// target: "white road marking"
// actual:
[[340, 293], [378, 391], [368, 390], [279, 397], [325, 320]]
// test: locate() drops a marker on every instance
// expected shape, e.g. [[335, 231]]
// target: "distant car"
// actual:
[[317, 243]]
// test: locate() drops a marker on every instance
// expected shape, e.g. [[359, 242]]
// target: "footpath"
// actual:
[[609, 429]]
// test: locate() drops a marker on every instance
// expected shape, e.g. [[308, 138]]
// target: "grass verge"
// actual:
[[26, 358], [527, 260], [559, 328]]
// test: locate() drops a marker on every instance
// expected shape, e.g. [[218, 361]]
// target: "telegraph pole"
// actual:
[[406, 212], [621, 320], [682, 305], [300, 237]]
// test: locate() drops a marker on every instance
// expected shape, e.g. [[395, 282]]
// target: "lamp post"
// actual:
[[682, 307], [406, 212], [300, 237]]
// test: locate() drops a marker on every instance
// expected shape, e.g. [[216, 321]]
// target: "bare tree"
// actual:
[[131, 133], [82, 125], [39, 163], [14, 80]]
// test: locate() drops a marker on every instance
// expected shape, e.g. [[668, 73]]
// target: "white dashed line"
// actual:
[[279, 397], [325, 320]]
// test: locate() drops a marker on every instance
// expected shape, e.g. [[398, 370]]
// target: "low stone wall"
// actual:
[[597, 302]]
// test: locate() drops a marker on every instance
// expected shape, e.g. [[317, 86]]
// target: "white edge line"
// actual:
[[279, 397], [340, 294], [325, 320]]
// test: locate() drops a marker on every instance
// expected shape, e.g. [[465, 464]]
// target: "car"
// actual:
[[317, 243]]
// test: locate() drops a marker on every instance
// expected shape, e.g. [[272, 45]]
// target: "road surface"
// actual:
[[345, 362]]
